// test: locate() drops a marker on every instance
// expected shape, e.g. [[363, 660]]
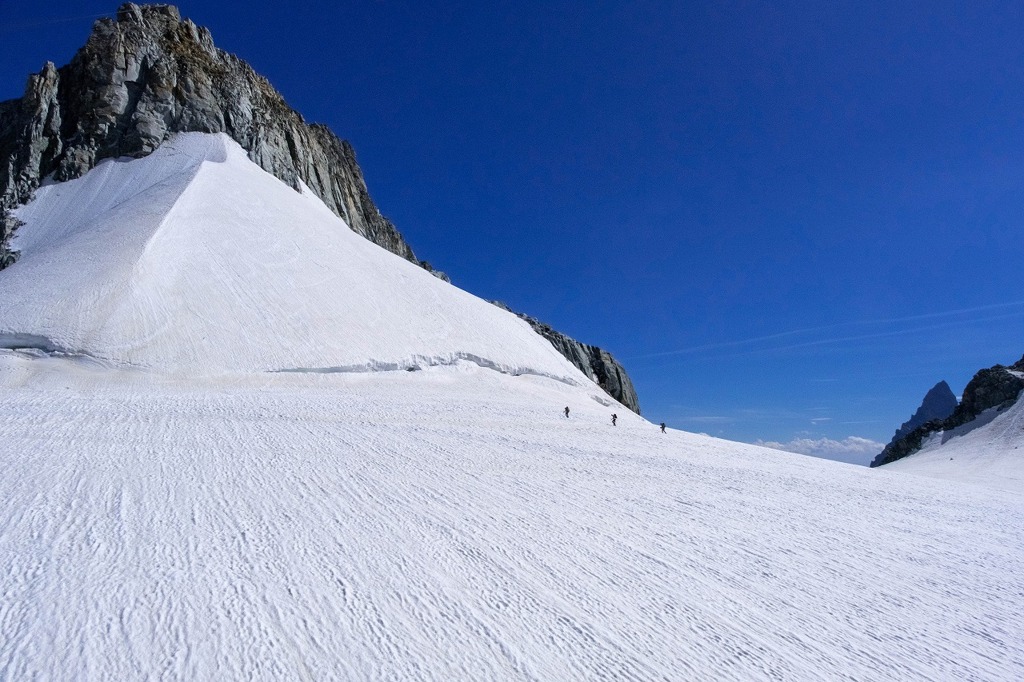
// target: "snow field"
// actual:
[[453, 524], [207, 474]]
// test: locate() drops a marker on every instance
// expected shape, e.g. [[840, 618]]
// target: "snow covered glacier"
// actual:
[[209, 473]]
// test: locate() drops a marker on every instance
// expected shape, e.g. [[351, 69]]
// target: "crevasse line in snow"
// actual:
[[17, 341], [419, 362], [36, 346]]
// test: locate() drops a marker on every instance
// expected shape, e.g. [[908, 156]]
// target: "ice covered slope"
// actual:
[[195, 260], [988, 451], [452, 524]]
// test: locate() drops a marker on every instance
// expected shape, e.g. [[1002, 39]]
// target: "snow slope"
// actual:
[[988, 451], [452, 524], [177, 507], [195, 260]]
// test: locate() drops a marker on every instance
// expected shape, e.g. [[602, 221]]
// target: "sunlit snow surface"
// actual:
[[452, 524], [195, 260], [175, 509]]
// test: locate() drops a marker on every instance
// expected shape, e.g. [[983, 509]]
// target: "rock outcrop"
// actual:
[[939, 402], [596, 363], [149, 74], [996, 387]]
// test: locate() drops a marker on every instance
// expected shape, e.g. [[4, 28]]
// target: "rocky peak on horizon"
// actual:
[[997, 387], [939, 402], [148, 74]]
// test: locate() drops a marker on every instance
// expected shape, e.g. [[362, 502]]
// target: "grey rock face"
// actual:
[[147, 75], [29, 139], [596, 363], [997, 387]]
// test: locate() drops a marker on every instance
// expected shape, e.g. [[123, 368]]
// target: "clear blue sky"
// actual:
[[787, 219]]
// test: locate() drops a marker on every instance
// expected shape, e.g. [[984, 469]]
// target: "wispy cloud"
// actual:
[[832, 334], [852, 449]]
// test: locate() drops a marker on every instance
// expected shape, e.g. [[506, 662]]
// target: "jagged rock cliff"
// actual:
[[147, 75], [995, 387], [939, 402], [598, 364]]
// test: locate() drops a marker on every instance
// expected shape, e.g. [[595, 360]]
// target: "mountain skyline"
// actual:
[[784, 231]]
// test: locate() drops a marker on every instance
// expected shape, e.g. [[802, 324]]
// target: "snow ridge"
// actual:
[[193, 260]]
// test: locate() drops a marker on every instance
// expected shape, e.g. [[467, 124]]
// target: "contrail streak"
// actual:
[[846, 325], [896, 332], [6, 27]]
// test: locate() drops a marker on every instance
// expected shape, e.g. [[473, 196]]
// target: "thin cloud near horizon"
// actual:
[[852, 449]]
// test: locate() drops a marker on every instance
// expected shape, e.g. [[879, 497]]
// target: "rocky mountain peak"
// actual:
[[129, 11], [148, 74], [938, 403], [996, 387]]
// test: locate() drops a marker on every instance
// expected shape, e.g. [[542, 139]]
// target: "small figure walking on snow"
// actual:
[[566, 411], [663, 427], [614, 418]]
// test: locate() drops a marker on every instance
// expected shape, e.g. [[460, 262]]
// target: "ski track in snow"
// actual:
[[452, 524], [333, 522]]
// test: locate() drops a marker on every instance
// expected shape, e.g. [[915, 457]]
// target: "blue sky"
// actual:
[[788, 220]]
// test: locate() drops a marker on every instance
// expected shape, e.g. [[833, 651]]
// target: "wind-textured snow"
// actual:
[[207, 475], [988, 451], [452, 524]]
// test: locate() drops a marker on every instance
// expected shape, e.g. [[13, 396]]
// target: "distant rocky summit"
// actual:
[[939, 402], [148, 74], [996, 387]]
